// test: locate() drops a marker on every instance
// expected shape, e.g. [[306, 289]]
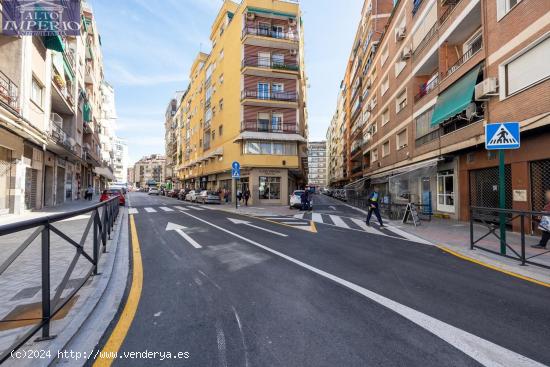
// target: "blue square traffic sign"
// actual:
[[235, 170], [502, 136]]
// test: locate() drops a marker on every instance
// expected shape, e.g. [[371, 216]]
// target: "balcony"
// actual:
[[474, 48], [62, 95], [426, 88], [268, 126], [267, 37], [9, 92], [253, 97], [264, 66], [61, 140]]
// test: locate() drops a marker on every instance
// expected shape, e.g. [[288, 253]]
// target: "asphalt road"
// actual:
[[287, 297]]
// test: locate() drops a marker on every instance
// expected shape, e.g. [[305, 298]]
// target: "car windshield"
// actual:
[[113, 192]]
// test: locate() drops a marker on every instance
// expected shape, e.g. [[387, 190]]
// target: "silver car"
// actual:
[[191, 196], [208, 197]]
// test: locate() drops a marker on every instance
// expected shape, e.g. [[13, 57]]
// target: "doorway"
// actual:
[[60, 187], [445, 191]]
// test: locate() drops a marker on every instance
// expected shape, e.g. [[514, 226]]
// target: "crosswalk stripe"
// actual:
[[206, 207], [316, 217], [150, 210], [195, 208], [166, 209], [300, 216], [132, 211], [182, 208], [338, 221], [296, 224], [364, 226]]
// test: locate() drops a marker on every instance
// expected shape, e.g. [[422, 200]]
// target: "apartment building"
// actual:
[[246, 103], [149, 170], [172, 139], [337, 145], [439, 72], [317, 164], [49, 102], [120, 164]]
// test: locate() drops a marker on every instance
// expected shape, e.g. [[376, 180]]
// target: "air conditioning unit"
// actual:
[[250, 16], [400, 33], [56, 119], [486, 89], [293, 52], [406, 53], [291, 21]]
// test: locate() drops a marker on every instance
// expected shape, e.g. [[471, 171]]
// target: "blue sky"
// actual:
[[148, 47]]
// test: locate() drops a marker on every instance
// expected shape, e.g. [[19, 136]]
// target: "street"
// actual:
[[250, 292]]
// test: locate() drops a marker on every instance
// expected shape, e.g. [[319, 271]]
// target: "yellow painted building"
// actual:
[[246, 103]]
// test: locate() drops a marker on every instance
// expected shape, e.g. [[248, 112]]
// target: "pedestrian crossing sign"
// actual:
[[502, 136]]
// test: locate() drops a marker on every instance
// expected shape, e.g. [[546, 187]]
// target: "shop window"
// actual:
[[270, 188]]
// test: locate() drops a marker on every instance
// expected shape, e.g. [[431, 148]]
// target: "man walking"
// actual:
[[246, 196], [544, 224], [373, 202]]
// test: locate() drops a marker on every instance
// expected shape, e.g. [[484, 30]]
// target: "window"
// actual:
[[401, 101], [527, 69], [270, 148], [401, 139], [221, 54], [213, 135], [221, 104], [374, 155], [220, 130], [385, 55], [263, 90], [264, 59], [373, 74], [386, 148], [270, 188], [385, 85], [504, 7], [277, 122], [373, 128], [263, 121], [278, 59], [385, 116], [399, 66], [221, 79], [37, 92], [277, 87]]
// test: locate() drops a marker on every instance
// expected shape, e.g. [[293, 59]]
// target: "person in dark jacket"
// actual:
[[246, 196], [374, 201], [544, 225]]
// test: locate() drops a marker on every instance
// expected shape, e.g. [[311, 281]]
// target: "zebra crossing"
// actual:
[[166, 209], [345, 223], [299, 223]]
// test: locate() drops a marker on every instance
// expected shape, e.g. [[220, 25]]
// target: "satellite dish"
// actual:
[[471, 111]]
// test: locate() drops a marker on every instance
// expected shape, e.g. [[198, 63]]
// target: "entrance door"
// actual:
[[31, 186], [426, 193], [48, 186], [445, 192], [5, 180], [60, 188]]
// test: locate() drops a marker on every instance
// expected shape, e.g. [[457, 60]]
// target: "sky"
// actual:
[[149, 46]]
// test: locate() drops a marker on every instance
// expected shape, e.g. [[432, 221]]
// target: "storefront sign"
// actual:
[[269, 172], [520, 195]]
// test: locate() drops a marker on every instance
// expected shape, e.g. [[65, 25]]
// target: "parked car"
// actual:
[[112, 192], [191, 196], [183, 193], [173, 193], [296, 199], [154, 191], [208, 197]]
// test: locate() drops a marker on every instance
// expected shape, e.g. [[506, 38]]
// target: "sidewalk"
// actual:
[[20, 284]]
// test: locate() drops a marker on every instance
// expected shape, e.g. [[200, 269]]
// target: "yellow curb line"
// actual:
[[125, 321], [516, 275]]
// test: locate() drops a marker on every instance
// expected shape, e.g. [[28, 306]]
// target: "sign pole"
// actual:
[[502, 200], [234, 191]]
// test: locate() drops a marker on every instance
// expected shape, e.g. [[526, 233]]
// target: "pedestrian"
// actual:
[[239, 196], [246, 196], [308, 200], [90, 192], [104, 196], [303, 200], [227, 194], [373, 201], [544, 223]]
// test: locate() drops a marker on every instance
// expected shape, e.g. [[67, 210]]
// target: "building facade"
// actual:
[[49, 110], [428, 85], [120, 164], [246, 103], [172, 139], [337, 145], [149, 170], [317, 164]]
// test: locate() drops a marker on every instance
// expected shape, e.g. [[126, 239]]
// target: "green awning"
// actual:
[[87, 112], [54, 43], [456, 98], [68, 72], [270, 12]]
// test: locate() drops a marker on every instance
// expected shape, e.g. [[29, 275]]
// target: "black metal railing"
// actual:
[[451, 5], [472, 50], [426, 39], [271, 33], [271, 96], [269, 126], [9, 92], [427, 88], [101, 222], [490, 217], [269, 63]]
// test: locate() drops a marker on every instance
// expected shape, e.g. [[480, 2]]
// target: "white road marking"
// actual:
[[132, 211], [195, 208], [157, 314], [299, 216], [366, 228], [332, 207], [167, 209], [339, 222], [316, 217], [295, 224], [150, 210], [279, 218], [407, 235], [242, 336], [181, 208], [220, 336], [479, 349], [179, 230], [238, 221], [206, 207]]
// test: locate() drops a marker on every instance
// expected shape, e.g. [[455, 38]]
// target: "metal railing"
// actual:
[[489, 218], [101, 225], [271, 96], [268, 32], [269, 63], [9, 92], [472, 50], [269, 126], [427, 88]]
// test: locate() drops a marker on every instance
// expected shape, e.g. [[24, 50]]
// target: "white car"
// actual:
[[296, 199], [153, 191], [191, 196]]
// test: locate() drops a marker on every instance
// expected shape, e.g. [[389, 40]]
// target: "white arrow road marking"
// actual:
[[238, 221], [132, 211], [479, 349], [179, 230], [181, 208], [150, 210], [166, 209], [332, 207]]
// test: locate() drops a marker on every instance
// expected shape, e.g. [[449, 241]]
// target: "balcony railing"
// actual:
[[9, 92], [272, 96], [426, 88], [268, 63], [268, 126], [416, 5], [267, 32], [451, 5], [472, 50]]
